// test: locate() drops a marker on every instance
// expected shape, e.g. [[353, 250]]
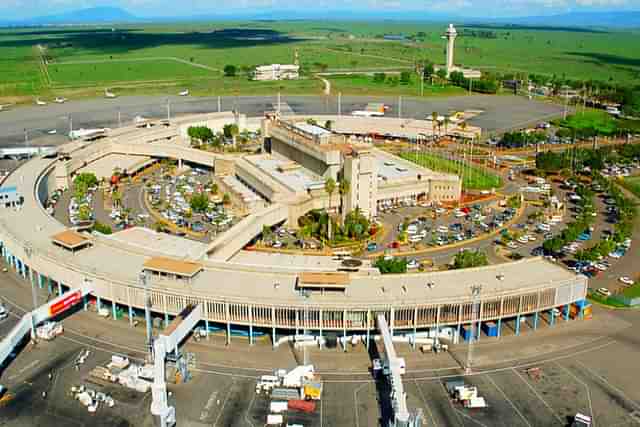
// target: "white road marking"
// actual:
[[233, 382], [593, 416], [246, 418], [508, 400], [468, 417], [538, 395], [355, 400], [617, 390], [424, 401]]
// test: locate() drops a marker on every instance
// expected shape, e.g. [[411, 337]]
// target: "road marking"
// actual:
[[24, 369], [424, 401], [508, 400], [593, 416], [249, 409], [601, 378], [233, 382], [207, 407], [355, 399], [467, 416], [535, 392]]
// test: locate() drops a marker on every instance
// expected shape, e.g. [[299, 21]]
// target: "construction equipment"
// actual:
[[394, 367], [165, 346]]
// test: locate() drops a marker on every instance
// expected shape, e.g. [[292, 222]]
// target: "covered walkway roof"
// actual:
[[178, 267], [70, 239]]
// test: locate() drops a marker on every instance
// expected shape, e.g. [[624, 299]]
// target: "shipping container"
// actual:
[[277, 407], [490, 329], [281, 393], [274, 420], [465, 332], [452, 384], [307, 406]]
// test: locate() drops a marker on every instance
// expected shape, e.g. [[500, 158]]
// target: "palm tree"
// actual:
[[329, 187], [343, 188]]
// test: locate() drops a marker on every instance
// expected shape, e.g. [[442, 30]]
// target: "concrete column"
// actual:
[[518, 324], [415, 327], [368, 327], [566, 312], [166, 319], [85, 302], [206, 318], [226, 310], [40, 280], [499, 326], [297, 320], [31, 276], [273, 326], [60, 290], [250, 325], [130, 315], [535, 321], [344, 329], [98, 303], [114, 309], [320, 314], [50, 286], [552, 318]]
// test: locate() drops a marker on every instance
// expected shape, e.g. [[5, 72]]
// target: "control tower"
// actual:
[[450, 35]]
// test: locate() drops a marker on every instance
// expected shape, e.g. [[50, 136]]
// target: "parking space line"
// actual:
[[468, 417], [535, 392], [508, 400], [355, 400], [593, 416], [455, 411], [233, 382], [424, 401], [604, 380], [253, 398]]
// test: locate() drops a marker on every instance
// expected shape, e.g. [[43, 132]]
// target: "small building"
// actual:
[[172, 269], [276, 72], [323, 281], [70, 240], [9, 197]]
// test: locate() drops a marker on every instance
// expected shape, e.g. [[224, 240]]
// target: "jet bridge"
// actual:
[[30, 320], [394, 367], [164, 344]]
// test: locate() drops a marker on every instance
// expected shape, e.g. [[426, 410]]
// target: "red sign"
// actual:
[[64, 304]]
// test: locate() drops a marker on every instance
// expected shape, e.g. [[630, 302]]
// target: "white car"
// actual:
[[440, 211], [512, 245], [523, 239], [277, 244], [626, 280], [413, 264], [531, 238], [4, 313], [604, 292]]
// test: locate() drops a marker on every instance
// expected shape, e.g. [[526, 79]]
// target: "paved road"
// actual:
[[499, 112]]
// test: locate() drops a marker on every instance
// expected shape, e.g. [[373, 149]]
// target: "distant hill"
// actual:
[[94, 15], [612, 19]]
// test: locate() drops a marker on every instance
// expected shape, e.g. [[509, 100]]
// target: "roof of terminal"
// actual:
[[312, 129], [298, 180], [70, 239]]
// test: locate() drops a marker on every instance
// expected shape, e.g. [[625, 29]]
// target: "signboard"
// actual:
[[63, 304]]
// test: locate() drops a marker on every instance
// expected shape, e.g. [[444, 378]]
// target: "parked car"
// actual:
[[626, 280], [604, 292]]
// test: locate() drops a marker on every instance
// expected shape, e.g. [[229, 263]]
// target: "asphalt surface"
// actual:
[[499, 112]]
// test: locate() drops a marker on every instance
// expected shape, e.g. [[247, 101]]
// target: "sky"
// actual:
[[20, 9]]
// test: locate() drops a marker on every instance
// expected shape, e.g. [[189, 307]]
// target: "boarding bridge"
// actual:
[[165, 343], [45, 312], [394, 367]]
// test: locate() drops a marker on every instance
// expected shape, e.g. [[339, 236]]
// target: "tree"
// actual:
[[226, 199], [230, 70], [343, 188], [328, 124], [84, 213], [199, 202], [230, 130], [468, 258], [329, 187], [201, 134], [102, 228], [214, 188], [391, 266], [267, 233], [405, 77], [442, 73], [428, 70], [87, 179], [379, 77]]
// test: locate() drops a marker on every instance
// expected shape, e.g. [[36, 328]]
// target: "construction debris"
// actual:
[[92, 399]]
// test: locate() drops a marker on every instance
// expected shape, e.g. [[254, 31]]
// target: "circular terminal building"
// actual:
[[275, 187]]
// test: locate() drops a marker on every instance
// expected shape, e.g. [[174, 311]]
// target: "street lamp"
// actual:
[[305, 295], [147, 306], [28, 250]]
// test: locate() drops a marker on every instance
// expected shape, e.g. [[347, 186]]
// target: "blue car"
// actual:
[[372, 247]]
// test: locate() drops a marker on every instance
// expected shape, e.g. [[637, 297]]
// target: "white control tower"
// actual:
[[450, 35]]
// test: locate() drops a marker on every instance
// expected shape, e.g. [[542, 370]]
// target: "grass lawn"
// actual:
[[632, 291], [361, 84], [605, 300], [632, 183], [473, 178], [117, 71], [599, 120]]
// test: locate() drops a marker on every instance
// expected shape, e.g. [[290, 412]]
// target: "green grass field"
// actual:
[[632, 183], [111, 55], [591, 119], [473, 178]]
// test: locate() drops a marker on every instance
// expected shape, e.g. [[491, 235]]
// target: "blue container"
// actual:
[[490, 329], [581, 303], [465, 333]]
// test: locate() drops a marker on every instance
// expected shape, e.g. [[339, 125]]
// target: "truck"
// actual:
[[307, 406], [581, 420]]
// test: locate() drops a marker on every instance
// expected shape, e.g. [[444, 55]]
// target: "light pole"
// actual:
[[475, 314], [28, 250], [147, 306]]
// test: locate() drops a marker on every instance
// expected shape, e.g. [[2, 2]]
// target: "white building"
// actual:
[[276, 72]]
